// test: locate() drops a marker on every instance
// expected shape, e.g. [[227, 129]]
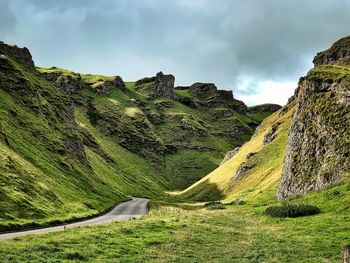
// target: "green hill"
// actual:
[[306, 142], [72, 145]]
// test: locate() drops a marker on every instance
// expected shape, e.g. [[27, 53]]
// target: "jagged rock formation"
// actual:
[[271, 134], [208, 93], [21, 54], [159, 86], [339, 54], [244, 167], [318, 145]]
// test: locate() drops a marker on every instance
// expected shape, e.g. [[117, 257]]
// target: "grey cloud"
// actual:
[[199, 40]]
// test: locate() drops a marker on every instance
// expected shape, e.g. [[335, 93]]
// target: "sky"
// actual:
[[257, 48]]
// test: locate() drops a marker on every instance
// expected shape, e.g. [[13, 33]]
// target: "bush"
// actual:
[[213, 205], [292, 210]]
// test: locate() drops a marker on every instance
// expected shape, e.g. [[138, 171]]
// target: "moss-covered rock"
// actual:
[[318, 145]]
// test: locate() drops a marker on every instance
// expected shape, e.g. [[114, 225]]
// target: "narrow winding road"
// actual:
[[135, 208]]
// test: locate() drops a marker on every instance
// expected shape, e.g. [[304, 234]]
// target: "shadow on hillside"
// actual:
[[204, 191]]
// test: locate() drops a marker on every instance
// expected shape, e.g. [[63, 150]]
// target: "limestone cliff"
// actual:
[[317, 153]]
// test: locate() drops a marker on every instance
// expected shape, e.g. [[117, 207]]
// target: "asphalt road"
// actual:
[[135, 208]]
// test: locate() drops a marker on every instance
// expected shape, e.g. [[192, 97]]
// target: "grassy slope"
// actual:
[[264, 175], [197, 154], [47, 185], [175, 234]]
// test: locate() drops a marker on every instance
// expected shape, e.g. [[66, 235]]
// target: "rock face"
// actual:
[[318, 148], [21, 54], [164, 85], [207, 92], [239, 106], [118, 82], [226, 94], [103, 87], [339, 53], [68, 83], [244, 167], [229, 155], [159, 86], [271, 134]]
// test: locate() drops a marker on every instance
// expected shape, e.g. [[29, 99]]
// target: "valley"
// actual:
[[74, 145]]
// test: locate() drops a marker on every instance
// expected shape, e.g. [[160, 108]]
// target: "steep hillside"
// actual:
[[47, 172], [251, 170], [182, 131], [318, 147], [73, 145], [306, 142]]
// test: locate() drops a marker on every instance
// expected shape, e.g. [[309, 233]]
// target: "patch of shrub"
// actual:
[[75, 256], [292, 210], [214, 205]]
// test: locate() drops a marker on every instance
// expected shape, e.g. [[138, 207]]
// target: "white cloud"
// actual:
[[270, 92]]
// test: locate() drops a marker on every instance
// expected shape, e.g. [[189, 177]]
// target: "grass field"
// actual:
[[179, 233]]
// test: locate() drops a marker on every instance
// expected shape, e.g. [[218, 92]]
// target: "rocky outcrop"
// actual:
[[239, 106], [69, 83], [264, 108], [229, 155], [237, 130], [207, 93], [159, 86], [102, 87], [227, 95], [338, 53], [318, 149], [118, 82], [271, 134], [21, 54], [245, 167]]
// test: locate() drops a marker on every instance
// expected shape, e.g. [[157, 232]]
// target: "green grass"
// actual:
[[64, 163], [49, 182], [194, 234], [329, 72]]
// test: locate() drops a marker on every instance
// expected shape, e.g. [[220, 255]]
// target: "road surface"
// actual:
[[135, 208]]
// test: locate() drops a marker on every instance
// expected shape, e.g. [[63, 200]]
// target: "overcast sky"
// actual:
[[257, 48]]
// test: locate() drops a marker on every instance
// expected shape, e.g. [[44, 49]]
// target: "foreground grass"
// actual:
[[194, 234]]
